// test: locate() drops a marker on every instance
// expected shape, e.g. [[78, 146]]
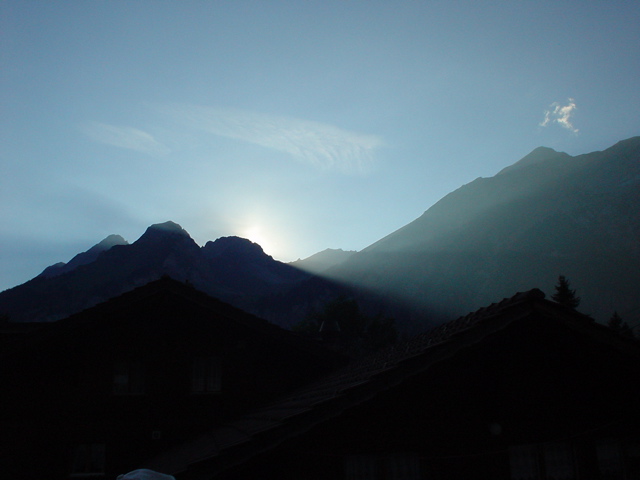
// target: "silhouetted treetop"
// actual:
[[564, 294], [618, 325]]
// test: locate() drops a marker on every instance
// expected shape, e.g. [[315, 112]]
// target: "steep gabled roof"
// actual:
[[182, 292], [114, 315], [267, 427]]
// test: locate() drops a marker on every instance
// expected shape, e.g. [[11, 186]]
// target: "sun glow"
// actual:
[[256, 234], [261, 225]]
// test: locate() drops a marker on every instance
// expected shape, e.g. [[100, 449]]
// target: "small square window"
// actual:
[[206, 375]]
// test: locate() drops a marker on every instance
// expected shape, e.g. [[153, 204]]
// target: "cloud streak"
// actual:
[[321, 145], [560, 114], [125, 137]]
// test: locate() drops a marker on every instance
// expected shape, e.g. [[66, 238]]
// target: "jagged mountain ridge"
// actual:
[[233, 269], [548, 214]]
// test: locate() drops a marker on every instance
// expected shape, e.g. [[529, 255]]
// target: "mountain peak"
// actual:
[[163, 230], [233, 246], [168, 227], [111, 241], [537, 156]]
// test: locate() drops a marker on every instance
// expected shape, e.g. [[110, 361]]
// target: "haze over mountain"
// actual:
[[320, 262], [547, 214]]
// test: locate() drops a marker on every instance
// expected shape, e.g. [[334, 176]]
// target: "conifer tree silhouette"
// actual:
[[564, 295], [615, 322], [618, 325]]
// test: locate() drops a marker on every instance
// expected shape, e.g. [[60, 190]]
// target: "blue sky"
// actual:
[[302, 125]]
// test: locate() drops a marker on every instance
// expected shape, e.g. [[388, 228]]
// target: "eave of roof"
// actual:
[[271, 425]]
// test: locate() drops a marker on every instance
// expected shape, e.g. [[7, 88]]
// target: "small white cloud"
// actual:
[[560, 114], [125, 137], [321, 145]]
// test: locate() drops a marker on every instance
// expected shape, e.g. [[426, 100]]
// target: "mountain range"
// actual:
[[233, 269], [548, 214]]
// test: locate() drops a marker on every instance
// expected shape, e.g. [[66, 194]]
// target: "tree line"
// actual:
[[567, 296]]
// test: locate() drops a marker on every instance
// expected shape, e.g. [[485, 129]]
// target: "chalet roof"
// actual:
[[168, 286], [267, 427], [104, 313]]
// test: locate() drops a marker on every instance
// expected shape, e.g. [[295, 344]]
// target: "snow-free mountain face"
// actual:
[[231, 268], [546, 215], [320, 262]]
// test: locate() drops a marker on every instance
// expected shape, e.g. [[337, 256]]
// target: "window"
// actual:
[[128, 378], [558, 461], [402, 467], [88, 460], [361, 467], [553, 461], [206, 375], [523, 460], [610, 461]]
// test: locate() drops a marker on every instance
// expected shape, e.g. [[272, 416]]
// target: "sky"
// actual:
[[301, 125]]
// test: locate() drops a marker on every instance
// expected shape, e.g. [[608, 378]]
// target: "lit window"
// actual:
[[206, 375], [88, 460], [128, 378]]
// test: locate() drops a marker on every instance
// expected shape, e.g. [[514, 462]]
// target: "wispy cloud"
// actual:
[[561, 114], [318, 144], [125, 137]]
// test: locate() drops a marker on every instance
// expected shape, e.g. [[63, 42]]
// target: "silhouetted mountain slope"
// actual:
[[548, 214], [322, 261], [85, 257], [231, 268], [241, 272]]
